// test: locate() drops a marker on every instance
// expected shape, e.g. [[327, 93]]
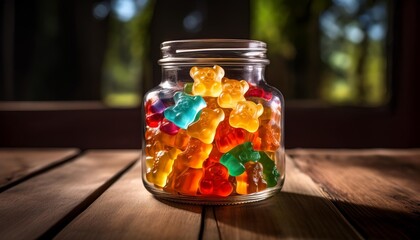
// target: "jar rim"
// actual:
[[216, 40], [213, 51]]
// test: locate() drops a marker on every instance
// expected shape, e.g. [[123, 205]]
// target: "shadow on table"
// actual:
[[187, 207], [296, 215]]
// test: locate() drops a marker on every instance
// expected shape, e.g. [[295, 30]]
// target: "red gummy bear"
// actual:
[[215, 181], [214, 157], [169, 127], [258, 92], [154, 112], [228, 137]]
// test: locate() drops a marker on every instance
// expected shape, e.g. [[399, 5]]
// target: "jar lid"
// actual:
[[213, 51]]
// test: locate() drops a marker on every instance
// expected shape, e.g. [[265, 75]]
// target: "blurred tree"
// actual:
[[325, 50], [127, 64]]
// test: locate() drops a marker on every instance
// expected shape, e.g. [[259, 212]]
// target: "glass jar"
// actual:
[[213, 131]]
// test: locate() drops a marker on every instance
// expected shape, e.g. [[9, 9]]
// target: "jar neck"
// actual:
[[213, 51], [176, 75]]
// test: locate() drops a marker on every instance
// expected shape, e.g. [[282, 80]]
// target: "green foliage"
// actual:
[[126, 63], [325, 50]]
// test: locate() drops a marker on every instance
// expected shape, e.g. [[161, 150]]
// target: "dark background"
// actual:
[[71, 68]]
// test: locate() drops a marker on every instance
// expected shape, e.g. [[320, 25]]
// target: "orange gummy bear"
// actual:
[[188, 181], [267, 138], [195, 154], [179, 140]]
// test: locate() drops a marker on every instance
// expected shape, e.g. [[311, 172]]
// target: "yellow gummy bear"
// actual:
[[162, 166], [232, 92], [205, 128], [207, 81], [245, 115]]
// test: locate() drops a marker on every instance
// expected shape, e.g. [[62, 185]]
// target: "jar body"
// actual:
[[213, 133]]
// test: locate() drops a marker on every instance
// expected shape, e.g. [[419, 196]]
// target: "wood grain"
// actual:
[[299, 211], [37, 206], [376, 190], [128, 211], [210, 229], [17, 164]]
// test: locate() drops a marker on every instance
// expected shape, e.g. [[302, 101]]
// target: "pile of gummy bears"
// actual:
[[215, 137]]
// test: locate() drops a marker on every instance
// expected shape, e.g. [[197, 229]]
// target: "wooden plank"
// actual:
[[210, 230], [127, 211], [19, 164], [43, 204], [376, 190], [299, 211]]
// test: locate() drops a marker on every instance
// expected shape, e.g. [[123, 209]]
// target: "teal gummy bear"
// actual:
[[235, 159], [270, 172], [185, 110]]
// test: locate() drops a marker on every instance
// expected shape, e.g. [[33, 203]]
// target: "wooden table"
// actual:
[[98, 194]]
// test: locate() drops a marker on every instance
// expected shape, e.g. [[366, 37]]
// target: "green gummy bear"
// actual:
[[235, 159], [270, 172], [188, 88], [234, 166]]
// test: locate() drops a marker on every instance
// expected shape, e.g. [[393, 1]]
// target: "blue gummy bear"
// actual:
[[185, 110]]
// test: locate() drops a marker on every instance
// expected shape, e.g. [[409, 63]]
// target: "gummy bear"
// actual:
[[245, 116], [169, 127], [207, 81], [251, 180], [179, 140], [205, 128], [188, 88], [232, 93], [214, 157], [166, 96], [162, 167], [255, 91], [270, 171], [188, 181], [185, 109], [177, 169], [228, 137], [267, 138], [235, 159], [271, 113], [211, 102], [152, 149], [195, 154], [192, 158], [154, 112], [150, 133], [215, 181]]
